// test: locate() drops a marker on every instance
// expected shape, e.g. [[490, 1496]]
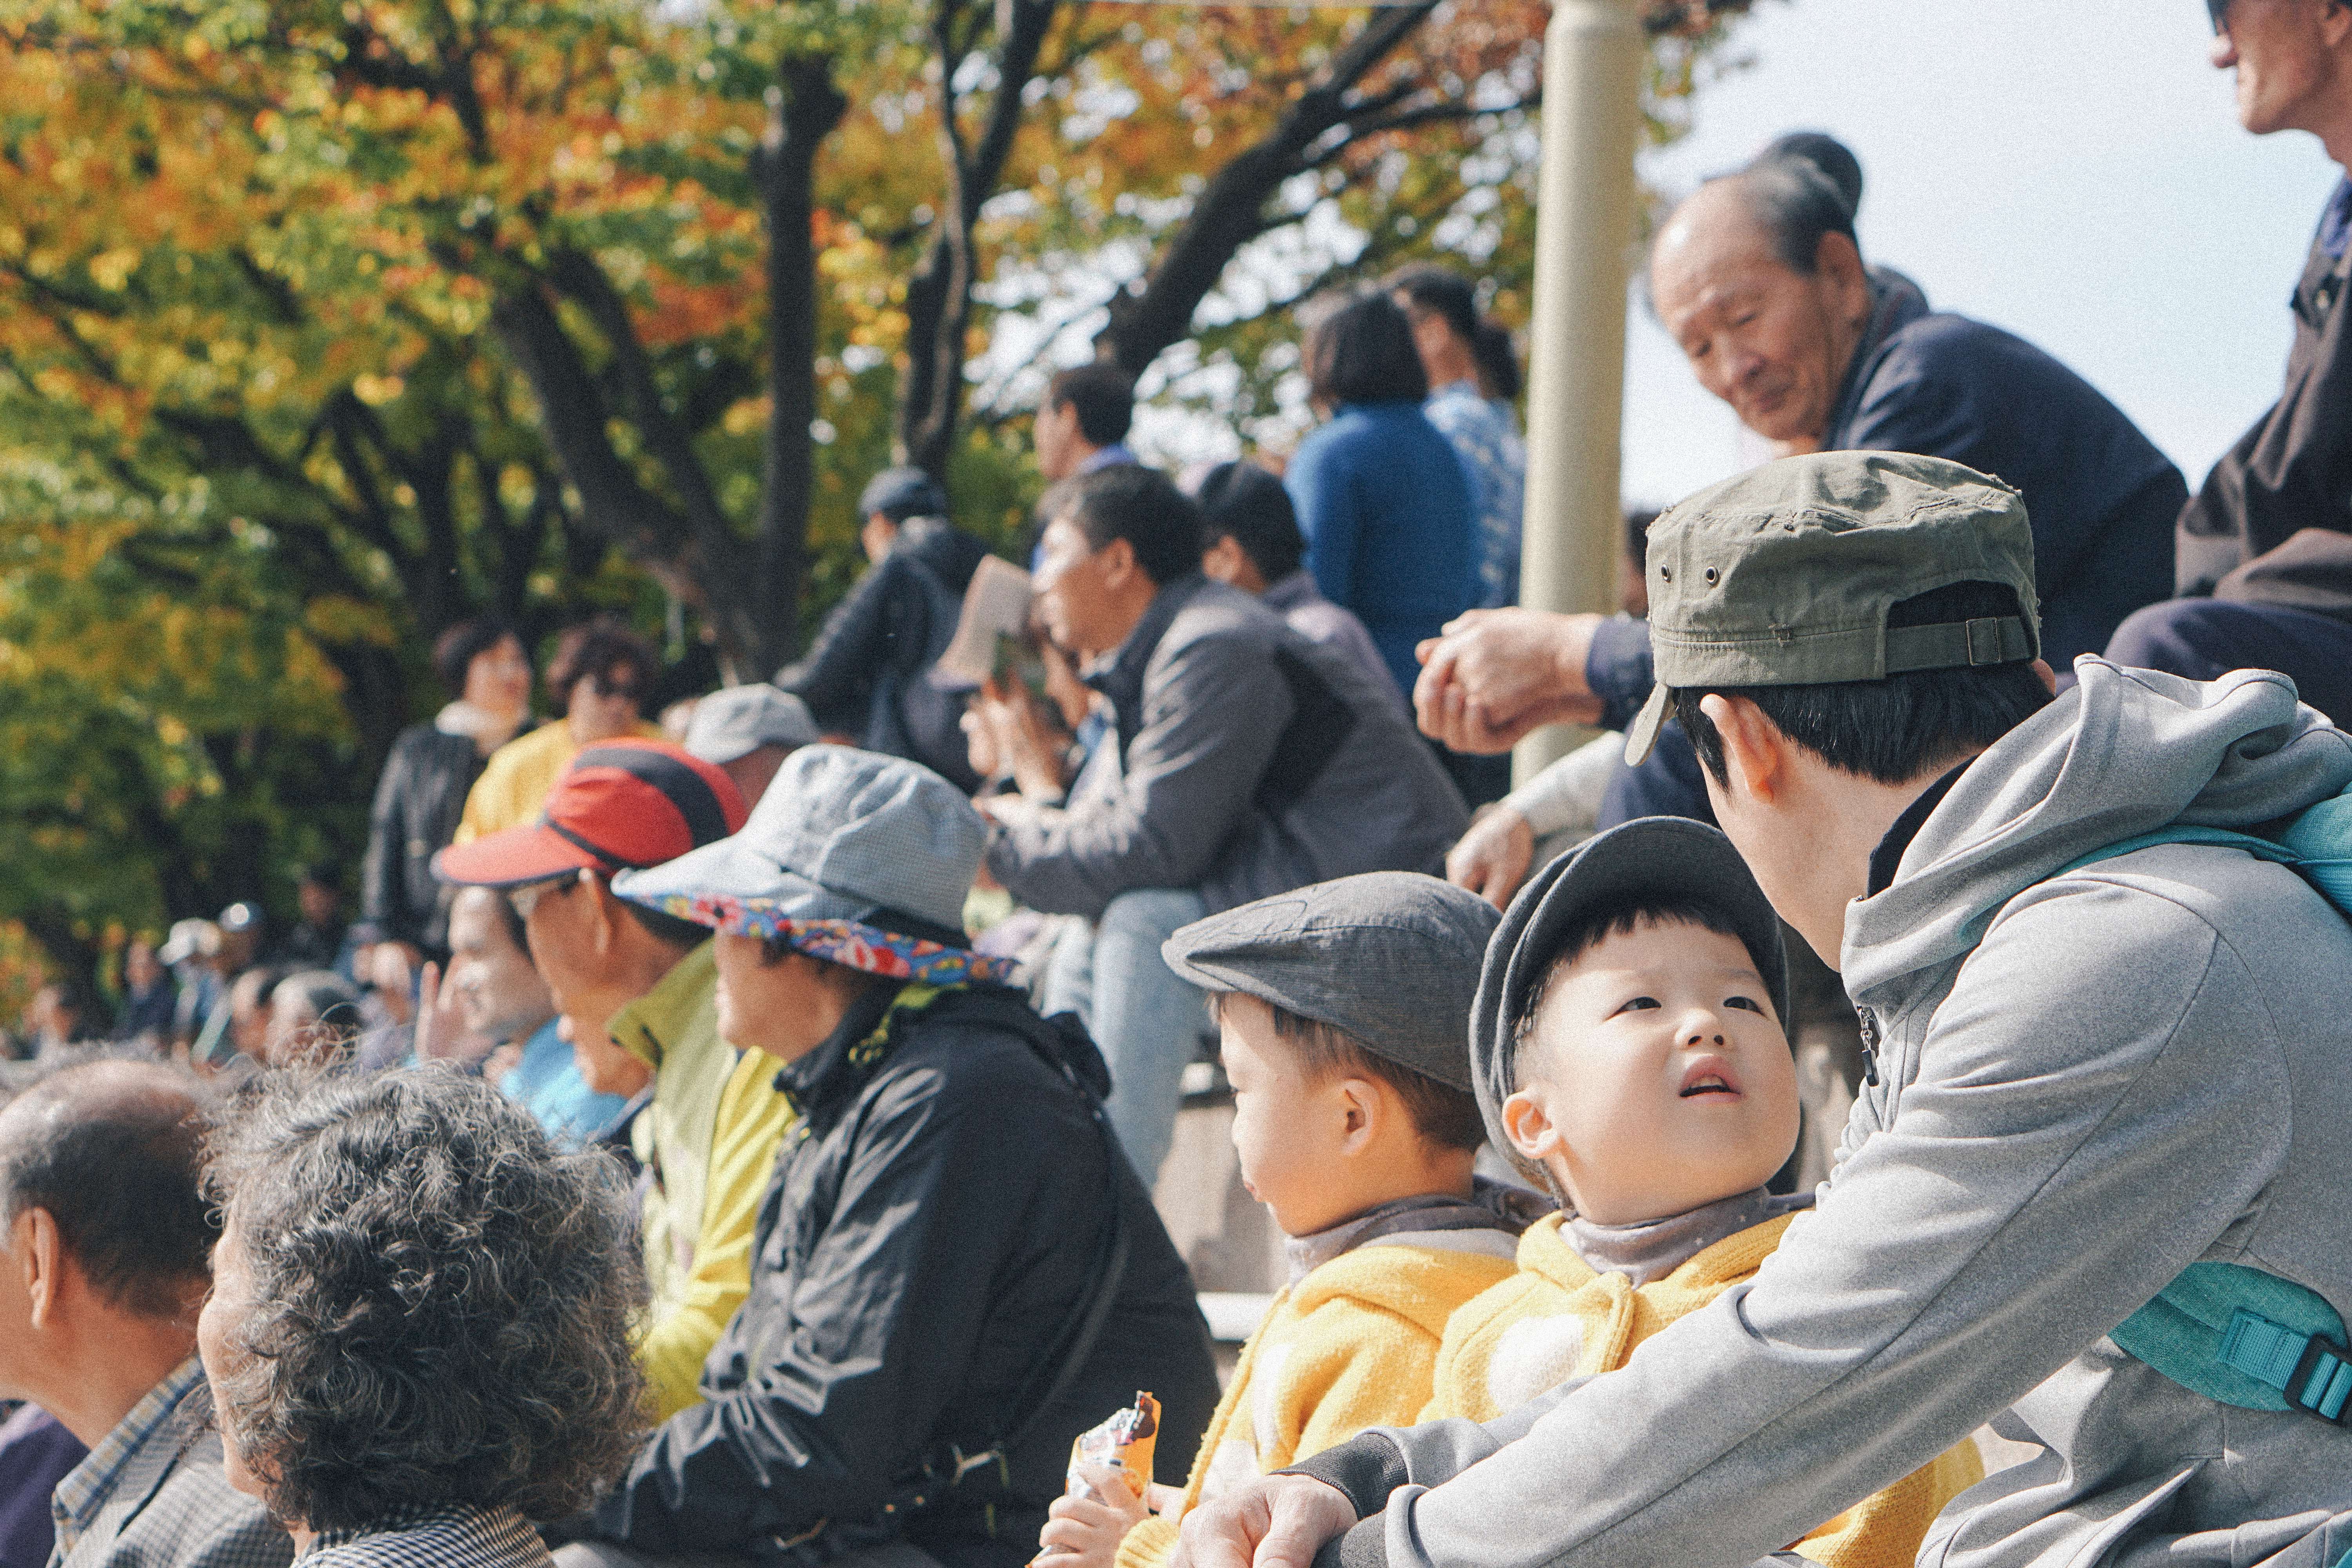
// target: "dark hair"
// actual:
[[1442, 1114], [442, 1304], [1637, 535], [1891, 730], [1441, 291], [455, 650], [598, 648], [1622, 916], [116, 1166], [1796, 206], [1361, 352], [1143, 506], [1104, 396], [671, 930], [1243, 502], [1825, 152]]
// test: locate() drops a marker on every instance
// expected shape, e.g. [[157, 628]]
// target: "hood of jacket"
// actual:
[[950, 552], [2127, 752]]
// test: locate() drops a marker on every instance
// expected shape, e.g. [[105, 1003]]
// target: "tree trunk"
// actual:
[[1231, 212], [939, 296], [804, 108]]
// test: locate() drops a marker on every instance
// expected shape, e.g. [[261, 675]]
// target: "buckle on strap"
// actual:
[[2312, 1373]]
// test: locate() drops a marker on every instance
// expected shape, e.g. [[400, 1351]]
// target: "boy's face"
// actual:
[[1656, 1079], [1288, 1129]]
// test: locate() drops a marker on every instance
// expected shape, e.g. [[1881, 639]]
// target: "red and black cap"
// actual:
[[621, 805]]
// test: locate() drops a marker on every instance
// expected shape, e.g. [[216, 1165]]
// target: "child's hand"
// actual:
[[1084, 1528]]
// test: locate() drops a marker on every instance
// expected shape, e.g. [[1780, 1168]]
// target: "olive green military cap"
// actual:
[[1783, 577]]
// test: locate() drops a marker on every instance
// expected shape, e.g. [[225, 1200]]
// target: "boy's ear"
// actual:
[[1530, 1127], [1364, 1113]]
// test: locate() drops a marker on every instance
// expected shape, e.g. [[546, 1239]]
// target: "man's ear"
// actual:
[[1118, 563], [1754, 753], [606, 914], [1838, 263], [1530, 1127], [40, 1252]]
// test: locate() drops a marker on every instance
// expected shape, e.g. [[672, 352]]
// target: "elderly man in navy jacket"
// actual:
[[1760, 279]]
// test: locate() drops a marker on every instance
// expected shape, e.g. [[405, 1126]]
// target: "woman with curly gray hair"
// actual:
[[419, 1332]]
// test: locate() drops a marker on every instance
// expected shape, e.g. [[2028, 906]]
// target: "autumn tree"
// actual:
[[324, 323]]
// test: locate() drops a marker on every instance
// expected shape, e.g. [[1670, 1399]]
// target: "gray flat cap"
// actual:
[[1391, 957], [1653, 857], [736, 721]]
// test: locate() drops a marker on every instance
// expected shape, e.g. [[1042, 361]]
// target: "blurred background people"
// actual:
[[320, 940], [747, 732], [313, 1018], [1250, 540], [150, 999], [1473, 378], [421, 797], [863, 677], [596, 685], [1388, 509], [1082, 423]]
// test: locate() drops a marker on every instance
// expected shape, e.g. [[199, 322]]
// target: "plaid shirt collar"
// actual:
[[86, 1489]]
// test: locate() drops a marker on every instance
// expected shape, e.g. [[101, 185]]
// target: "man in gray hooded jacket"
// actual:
[[2089, 1075]]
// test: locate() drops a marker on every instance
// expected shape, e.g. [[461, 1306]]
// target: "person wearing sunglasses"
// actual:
[[2264, 552], [636, 992], [597, 684]]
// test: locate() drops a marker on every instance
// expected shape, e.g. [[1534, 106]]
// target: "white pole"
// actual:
[[1593, 56]]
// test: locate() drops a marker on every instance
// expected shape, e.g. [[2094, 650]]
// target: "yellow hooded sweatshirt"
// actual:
[[1350, 1345], [710, 1140], [1557, 1317]]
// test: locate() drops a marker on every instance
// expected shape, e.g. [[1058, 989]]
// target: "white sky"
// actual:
[[2071, 170]]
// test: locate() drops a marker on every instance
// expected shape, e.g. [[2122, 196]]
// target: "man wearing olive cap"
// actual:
[[2102, 1129]]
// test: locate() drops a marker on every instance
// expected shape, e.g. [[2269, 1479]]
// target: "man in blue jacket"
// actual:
[[1760, 279]]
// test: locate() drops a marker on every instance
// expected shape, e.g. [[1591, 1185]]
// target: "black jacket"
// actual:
[[937, 1218], [862, 677], [419, 801], [2273, 524]]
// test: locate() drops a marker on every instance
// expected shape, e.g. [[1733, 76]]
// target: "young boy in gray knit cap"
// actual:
[[1344, 1010]]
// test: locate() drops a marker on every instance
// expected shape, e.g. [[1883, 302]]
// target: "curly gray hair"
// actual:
[[441, 1302]]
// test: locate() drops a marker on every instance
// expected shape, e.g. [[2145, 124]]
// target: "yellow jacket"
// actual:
[[1350, 1346], [709, 1139], [515, 781], [1556, 1318]]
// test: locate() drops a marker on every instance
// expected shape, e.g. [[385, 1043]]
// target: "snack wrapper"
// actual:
[[1124, 1443]]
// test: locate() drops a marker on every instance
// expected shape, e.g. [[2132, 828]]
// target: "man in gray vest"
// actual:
[[2093, 1189], [105, 1259]]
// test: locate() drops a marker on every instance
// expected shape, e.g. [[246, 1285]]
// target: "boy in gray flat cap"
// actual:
[[1344, 1011]]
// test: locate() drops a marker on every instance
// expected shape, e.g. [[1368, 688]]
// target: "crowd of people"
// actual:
[[728, 1135]]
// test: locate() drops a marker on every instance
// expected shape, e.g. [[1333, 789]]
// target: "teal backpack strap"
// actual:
[[2245, 1337], [2317, 845]]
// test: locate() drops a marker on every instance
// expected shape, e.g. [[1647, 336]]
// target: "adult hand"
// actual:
[[1491, 859], [1025, 744], [1276, 1522], [1494, 675]]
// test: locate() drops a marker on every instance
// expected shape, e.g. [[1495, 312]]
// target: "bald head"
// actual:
[[1757, 276], [112, 1152]]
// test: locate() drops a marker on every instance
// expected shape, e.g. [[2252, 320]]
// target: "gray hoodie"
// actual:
[[2087, 1082]]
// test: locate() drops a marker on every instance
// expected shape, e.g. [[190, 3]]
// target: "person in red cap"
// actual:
[[636, 990]]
